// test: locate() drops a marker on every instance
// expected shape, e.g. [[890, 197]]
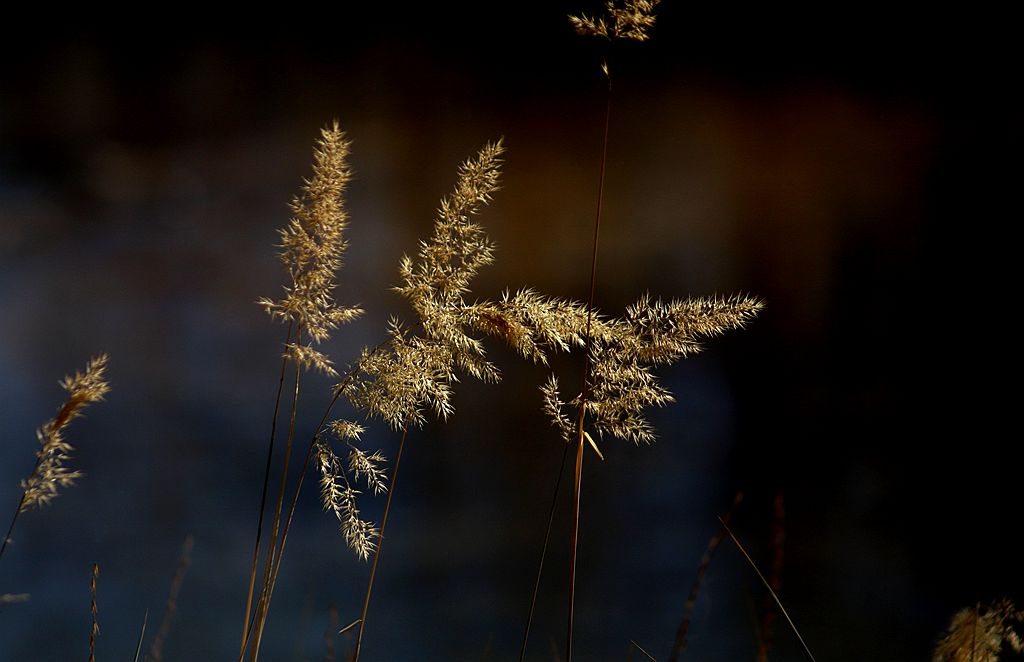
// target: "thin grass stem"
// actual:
[[578, 476], [778, 602], [544, 551], [17, 511], [142, 636], [641, 649], [263, 498], [338, 392], [380, 544]]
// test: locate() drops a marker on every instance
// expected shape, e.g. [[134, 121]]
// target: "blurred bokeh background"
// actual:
[[851, 169]]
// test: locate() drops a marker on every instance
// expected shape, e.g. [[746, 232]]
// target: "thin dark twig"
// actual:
[[641, 649], [17, 511], [585, 391], [544, 551], [380, 543], [768, 615], [705, 561], [263, 497], [142, 636], [156, 649], [778, 603]]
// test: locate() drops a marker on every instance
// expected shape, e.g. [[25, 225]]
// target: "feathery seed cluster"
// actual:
[[631, 20], [979, 634], [50, 473], [414, 370]]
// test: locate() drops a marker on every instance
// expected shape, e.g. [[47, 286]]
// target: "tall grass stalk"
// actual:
[[544, 551], [263, 605], [380, 545], [767, 585], [585, 391], [263, 497], [49, 472]]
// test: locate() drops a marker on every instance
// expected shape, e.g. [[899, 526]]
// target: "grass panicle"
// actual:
[[50, 472], [312, 249], [979, 634], [623, 19]]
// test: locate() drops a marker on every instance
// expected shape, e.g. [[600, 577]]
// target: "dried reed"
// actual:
[[50, 472]]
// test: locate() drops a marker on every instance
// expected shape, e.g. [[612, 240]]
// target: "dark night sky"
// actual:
[[850, 168]]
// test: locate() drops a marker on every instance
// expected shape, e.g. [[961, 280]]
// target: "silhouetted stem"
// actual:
[[17, 511], [263, 605], [578, 477], [544, 551], [806, 650], [380, 544], [263, 499]]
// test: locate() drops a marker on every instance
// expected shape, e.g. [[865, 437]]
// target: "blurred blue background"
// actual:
[[850, 170]]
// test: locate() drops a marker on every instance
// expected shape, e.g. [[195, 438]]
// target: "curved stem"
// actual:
[[380, 543], [17, 511], [544, 551]]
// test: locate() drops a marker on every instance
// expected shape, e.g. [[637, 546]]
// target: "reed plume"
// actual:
[[623, 19], [312, 247], [50, 472]]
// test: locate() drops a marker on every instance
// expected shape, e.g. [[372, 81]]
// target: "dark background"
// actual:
[[851, 168]]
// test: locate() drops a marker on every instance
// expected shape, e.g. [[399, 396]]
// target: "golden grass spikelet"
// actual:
[[308, 358], [553, 407], [50, 473], [459, 247], [665, 332], [532, 324], [344, 430], [652, 333], [978, 634], [368, 467], [624, 19], [312, 246], [411, 373], [339, 496], [623, 351], [395, 384]]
